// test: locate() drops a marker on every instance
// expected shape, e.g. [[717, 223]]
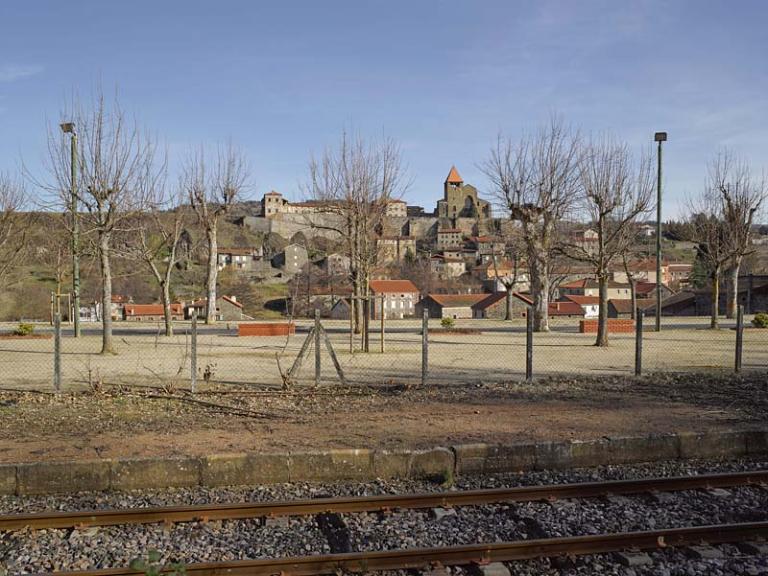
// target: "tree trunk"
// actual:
[[508, 314], [715, 299], [210, 312], [540, 288], [106, 294], [602, 312], [632, 295], [733, 292], [165, 297], [355, 304]]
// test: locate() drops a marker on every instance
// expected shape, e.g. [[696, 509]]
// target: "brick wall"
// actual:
[[265, 329], [615, 326]]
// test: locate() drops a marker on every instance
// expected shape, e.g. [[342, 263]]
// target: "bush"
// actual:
[[760, 320], [24, 329], [447, 323]]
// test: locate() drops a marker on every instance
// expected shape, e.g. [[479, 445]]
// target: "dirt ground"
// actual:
[[134, 422]]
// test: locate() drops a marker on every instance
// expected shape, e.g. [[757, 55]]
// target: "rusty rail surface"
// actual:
[[462, 555], [171, 514]]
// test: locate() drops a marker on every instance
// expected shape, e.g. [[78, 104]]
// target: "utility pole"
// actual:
[[659, 137], [69, 128]]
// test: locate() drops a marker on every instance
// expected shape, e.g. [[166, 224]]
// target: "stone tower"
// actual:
[[460, 200]]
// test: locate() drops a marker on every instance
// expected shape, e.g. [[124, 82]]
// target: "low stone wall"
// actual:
[[440, 464]]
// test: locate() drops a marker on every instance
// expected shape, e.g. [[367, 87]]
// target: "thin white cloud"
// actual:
[[13, 72]]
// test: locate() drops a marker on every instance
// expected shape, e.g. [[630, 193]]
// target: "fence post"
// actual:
[[424, 346], [317, 347], [739, 337], [639, 341], [57, 352], [382, 322], [529, 345], [193, 354], [351, 324]]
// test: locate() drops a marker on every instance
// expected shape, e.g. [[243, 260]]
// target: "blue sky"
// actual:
[[282, 79]]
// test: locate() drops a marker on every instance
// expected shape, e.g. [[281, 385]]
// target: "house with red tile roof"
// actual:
[[398, 298], [151, 312], [449, 305], [227, 309], [589, 287], [495, 306]]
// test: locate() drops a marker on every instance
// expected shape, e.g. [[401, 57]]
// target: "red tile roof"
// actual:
[[591, 283], [457, 300], [454, 177], [584, 300], [492, 299], [565, 309], [391, 286], [231, 300]]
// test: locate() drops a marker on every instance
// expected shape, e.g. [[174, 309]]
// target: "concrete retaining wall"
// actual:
[[440, 464]]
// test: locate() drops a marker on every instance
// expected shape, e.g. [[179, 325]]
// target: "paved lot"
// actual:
[[496, 353]]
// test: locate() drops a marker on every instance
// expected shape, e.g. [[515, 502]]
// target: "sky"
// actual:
[[282, 80]]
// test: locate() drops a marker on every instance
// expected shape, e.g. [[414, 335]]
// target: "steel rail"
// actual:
[[462, 555], [305, 507]]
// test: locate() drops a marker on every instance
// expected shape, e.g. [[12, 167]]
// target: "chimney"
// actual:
[[233, 298]]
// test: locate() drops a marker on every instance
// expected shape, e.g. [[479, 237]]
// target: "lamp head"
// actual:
[[67, 127], [660, 137]]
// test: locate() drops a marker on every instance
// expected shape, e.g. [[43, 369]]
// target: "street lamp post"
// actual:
[[658, 137], [69, 128]]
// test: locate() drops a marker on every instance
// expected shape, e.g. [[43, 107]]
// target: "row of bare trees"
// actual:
[[128, 209], [543, 180], [554, 176], [722, 218], [557, 176]]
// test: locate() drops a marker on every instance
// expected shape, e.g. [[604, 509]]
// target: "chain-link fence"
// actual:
[[407, 352]]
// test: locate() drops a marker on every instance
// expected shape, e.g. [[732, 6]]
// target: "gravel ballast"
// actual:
[[47, 550]]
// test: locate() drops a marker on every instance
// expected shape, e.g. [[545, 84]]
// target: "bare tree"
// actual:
[[514, 250], [614, 191], [714, 246], [156, 244], [536, 179], [212, 190], [13, 228], [742, 196], [115, 161], [356, 182]]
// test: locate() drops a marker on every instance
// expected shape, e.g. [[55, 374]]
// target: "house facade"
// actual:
[[449, 238], [151, 312], [449, 305], [292, 259], [589, 287], [590, 304], [447, 267], [494, 306], [395, 248], [227, 309], [398, 298], [243, 259]]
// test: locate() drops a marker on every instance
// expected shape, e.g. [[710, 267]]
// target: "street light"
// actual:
[[69, 128], [658, 137]]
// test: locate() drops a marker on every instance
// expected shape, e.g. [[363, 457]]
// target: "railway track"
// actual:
[[425, 558], [214, 512]]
